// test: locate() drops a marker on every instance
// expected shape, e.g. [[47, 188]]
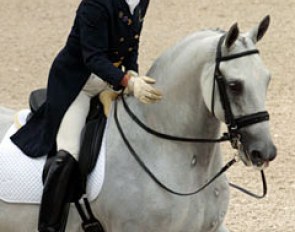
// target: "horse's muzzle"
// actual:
[[258, 148], [261, 154]]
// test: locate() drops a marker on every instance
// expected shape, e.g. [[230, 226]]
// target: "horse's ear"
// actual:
[[258, 32], [232, 35]]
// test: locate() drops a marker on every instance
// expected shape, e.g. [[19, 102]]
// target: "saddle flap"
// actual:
[[91, 142]]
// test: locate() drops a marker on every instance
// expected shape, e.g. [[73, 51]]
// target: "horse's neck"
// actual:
[[178, 73], [182, 111]]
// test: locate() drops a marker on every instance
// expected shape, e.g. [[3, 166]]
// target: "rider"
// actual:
[[103, 39]]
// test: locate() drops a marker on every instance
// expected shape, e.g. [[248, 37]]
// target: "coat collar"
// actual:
[[132, 4]]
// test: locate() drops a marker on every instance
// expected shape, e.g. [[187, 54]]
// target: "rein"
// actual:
[[233, 125], [170, 137], [224, 138], [149, 172]]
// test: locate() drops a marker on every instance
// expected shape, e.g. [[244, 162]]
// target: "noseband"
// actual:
[[233, 124]]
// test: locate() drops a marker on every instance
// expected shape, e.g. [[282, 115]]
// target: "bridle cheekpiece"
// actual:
[[233, 124]]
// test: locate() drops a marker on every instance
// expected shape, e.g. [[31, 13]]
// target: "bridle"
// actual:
[[233, 125]]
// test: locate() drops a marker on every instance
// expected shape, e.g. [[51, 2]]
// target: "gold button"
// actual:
[[121, 14], [130, 49], [136, 36], [122, 39], [117, 64], [129, 22]]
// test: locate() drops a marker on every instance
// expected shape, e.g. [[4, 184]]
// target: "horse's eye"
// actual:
[[236, 87]]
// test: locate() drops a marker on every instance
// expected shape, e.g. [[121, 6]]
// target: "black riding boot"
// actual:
[[55, 203]]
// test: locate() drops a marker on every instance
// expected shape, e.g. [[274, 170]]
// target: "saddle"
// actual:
[[92, 133]]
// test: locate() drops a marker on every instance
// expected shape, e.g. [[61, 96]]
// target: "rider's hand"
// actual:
[[141, 88]]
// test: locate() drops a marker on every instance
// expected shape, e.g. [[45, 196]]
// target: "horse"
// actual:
[[6, 120], [192, 107]]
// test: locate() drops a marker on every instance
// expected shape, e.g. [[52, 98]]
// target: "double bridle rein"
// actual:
[[233, 125]]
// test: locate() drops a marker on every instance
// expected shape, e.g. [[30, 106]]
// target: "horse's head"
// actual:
[[246, 80]]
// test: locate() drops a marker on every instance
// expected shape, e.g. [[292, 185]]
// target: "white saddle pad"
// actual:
[[21, 176]]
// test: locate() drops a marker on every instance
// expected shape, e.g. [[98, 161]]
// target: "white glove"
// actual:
[[132, 73], [142, 89]]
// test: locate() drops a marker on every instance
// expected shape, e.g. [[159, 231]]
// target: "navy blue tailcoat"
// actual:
[[105, 36]]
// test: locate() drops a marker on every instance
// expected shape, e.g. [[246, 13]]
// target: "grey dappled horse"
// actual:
[[130, 201]]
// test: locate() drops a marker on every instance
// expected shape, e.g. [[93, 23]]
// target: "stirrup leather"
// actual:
[[89, 224]]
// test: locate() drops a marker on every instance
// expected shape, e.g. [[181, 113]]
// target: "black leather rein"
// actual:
[[147, 170]]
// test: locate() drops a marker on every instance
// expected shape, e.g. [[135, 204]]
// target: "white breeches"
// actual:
[[69, 134]]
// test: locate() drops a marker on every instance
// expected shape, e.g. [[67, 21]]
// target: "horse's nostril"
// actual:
[[257, 157]]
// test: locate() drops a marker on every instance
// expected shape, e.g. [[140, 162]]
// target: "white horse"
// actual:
[[130, 201]]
